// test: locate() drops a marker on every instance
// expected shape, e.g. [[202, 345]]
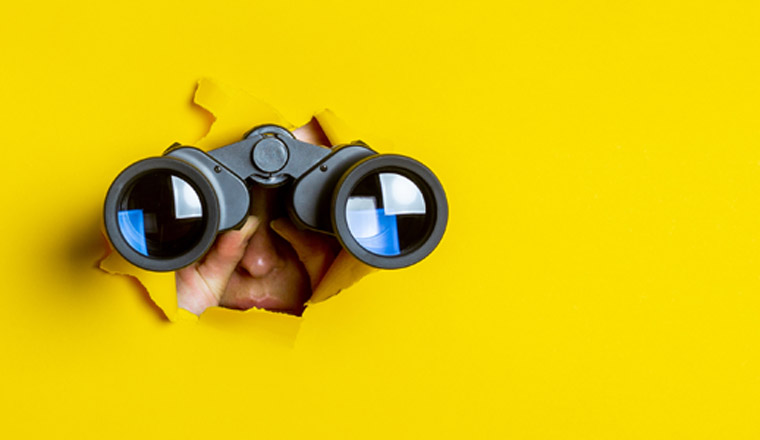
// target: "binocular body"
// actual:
[[164, 213]]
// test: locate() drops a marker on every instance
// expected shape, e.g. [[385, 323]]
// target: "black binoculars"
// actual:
[[164, 213]]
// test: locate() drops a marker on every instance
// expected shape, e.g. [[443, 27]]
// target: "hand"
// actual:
[[202, 284], [268, 263]]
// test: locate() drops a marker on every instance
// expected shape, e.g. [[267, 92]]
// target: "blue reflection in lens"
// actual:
[[132, 226], [384, 231]]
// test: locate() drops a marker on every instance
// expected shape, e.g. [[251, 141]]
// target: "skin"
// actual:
[[268, 263]]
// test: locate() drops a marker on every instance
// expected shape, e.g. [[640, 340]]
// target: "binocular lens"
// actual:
[[387, 214], [386, 210], [161, 215], [389, 211]]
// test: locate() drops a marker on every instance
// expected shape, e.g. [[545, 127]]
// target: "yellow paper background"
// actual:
[[599, 277]]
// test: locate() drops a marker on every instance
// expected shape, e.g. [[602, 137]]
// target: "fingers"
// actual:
[[316, 251], [201, 285], [193, 294], [224, 256]]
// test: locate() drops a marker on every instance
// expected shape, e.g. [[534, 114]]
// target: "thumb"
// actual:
[[221, 261], [202, 284]]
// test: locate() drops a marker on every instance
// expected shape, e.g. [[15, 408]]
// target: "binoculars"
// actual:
[[164, 213]]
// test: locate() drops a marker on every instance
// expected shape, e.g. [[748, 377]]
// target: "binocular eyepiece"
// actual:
[[164, 213]]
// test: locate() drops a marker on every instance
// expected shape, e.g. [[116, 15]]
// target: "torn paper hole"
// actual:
[[319, 268]]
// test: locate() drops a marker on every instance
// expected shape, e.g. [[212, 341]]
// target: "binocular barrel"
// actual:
[[164, 213]]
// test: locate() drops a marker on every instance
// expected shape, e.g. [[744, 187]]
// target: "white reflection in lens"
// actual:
[[186, 201], [361, 216], [400, 195]]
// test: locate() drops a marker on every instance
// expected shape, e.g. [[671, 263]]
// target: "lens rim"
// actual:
[[420, 175], [182, 169]]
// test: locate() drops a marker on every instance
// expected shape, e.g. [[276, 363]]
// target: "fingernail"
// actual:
[[251, 224]]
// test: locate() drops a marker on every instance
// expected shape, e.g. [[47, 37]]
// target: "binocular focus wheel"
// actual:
[[162, 214], [269, 129]]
